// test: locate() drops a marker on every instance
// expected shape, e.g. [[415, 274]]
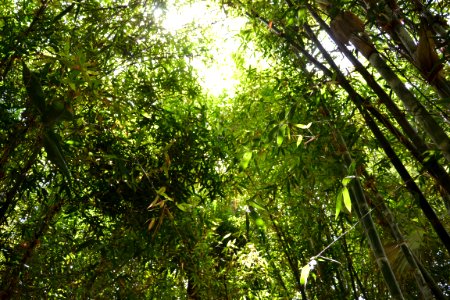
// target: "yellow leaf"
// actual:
[[305, 274], [151, 224], [154, 202], [302, 126]]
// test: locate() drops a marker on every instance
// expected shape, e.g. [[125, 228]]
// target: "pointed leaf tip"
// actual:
[[347, 199], [304, 275]]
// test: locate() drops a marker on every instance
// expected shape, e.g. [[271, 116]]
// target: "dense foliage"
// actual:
[[324, 176]]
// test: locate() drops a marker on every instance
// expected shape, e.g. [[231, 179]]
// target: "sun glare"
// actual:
[[217, 75]]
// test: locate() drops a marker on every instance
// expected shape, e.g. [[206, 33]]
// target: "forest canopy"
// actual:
[[224, 150]]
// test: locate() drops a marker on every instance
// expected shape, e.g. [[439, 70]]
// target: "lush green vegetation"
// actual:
[[323, 175]]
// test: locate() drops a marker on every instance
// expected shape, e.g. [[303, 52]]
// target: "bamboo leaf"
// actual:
[[338, 204], [185, 207], [246, 159], [347, 180], [255, 205], [305, 273], [154, 202], [299, 140], [54, 152], [302, 126], [151, 224], [347, 199], [34, 89], [279, 140]]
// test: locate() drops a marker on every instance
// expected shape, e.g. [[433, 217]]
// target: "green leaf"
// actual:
[[305, 273], [352, 168], [338, 204], [347, 199], [281, 134], [161, 191], [255, 205], [299, 140], [185, 207], [302, 14], [260, 223], [302, 126], [347, 180], [279, 140], [257, 219], [246, 159], [226, 236], [34, 89], [54, 152]]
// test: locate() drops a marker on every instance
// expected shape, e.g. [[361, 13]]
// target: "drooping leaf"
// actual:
[[347, 199], [34, 88], [338, 204], [151, 224], [299, 140], [304, 274], [54, 152], [57, 111]]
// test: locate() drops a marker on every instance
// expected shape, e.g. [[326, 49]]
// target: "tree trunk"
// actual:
[[389, 219], [400, 35], [419, 148], [412, 105], [407, 179], [362, 210]]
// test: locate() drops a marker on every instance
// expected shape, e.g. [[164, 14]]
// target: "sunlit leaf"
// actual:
[[347, 180], [279, 140], [347, 199], [304, 274], [302, 126], [301, 14], [226, 236], [260, 222], [299, 140], [246, 159]]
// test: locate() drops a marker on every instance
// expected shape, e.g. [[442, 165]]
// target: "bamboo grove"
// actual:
[[324, 175]]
